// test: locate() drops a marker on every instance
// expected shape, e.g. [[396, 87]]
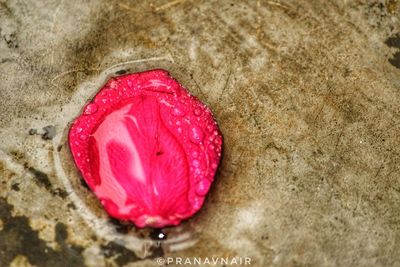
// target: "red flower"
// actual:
[[147, 148]]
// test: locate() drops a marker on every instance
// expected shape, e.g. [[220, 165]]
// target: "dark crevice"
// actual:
[[394, 41], [43, 180], [18, 238]]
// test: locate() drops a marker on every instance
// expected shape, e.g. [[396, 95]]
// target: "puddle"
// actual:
[[141, 241]]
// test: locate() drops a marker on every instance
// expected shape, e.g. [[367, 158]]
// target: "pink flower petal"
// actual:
[[147, 148]]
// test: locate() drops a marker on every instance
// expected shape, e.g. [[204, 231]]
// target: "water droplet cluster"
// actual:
[[180, 116]]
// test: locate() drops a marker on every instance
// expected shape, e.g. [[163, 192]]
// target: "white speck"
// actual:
[[193, 50]]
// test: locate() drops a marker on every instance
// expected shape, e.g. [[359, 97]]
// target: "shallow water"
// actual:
[[105, 227], [305, 93]]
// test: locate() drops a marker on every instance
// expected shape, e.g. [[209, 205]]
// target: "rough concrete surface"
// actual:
[[307, 96]]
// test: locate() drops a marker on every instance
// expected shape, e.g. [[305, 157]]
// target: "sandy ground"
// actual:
[[306, 94]]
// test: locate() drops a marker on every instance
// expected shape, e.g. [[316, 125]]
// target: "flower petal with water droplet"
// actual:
[[143, 147]]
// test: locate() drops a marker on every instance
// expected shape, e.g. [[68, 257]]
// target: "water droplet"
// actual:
[[158, 234], [184, 99], [90, 109], [202, 187], [196, 135], [197, 203], [210, 128], [196, 163], [197, 111], [178, 123], [214, 165], [179, 130], [195, 154], [178, 112], [218, 141], [197, 171], [211, 147], [83, 137], [113, 84]]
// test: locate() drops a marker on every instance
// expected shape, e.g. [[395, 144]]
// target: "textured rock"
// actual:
[[306, 94]]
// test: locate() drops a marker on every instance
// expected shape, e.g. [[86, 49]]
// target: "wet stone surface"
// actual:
[[306, 94]]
